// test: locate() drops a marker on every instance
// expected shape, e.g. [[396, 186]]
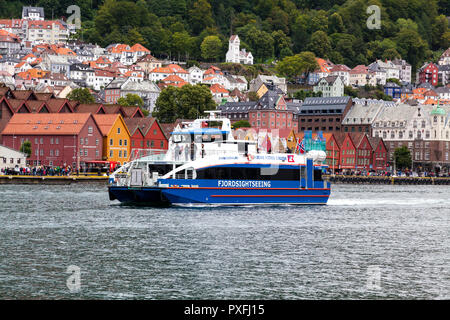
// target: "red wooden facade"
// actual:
[[146, 133], [56, 139]]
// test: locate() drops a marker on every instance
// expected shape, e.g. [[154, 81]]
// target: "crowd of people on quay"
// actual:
[[43, 171], [399, 173]]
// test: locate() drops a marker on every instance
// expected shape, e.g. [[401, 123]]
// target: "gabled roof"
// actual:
[[340, 67], [139, 47], [44, 96], [23, 94], [141, 124], [162, 70], [94, 108], [359, 69], [357, 138], [130, 112], [17, 104], [105, 122], [113, 109], [339, 137], [172, 78], [46, 123], [218, 88], [330, 79], [176, 68], [35, 106], [4, 91], [375, 141], [57, 104], [147, 58]]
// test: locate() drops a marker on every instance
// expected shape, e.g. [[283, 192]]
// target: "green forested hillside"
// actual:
[[416, 30]]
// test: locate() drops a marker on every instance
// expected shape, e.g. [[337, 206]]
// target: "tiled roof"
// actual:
[[16, 104], [45, 24], [46, 123], [217, 88], [105, 122], [138, 47], [88, 108], [55, 105], [22, 94], [359, 69], [143, 124], [172, 78], [44, 96], [35, 105]]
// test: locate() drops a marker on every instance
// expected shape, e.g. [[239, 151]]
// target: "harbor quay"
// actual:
[[335, 179], [53, 180], [353, 179]]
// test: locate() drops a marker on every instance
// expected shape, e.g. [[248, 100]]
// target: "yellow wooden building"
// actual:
[[116, 137]]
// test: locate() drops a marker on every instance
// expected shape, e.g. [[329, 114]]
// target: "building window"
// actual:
[[111, 153], [125, 142], [90, 129], [120, 142], [56, 141], [118, 130], [110, 142], [120, 153], [86, 141], [96, 142], [125, 153]]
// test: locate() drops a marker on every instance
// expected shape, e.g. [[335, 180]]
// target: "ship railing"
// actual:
[[148, 154]]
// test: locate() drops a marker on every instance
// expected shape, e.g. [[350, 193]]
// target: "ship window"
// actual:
[[318, 175]]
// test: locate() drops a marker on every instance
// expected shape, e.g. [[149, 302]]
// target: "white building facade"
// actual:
[[235, 54]]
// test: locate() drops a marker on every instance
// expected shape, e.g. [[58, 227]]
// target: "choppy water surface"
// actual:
[[369, 242]]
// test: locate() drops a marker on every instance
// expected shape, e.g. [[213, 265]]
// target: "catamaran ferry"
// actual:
[[205, 164]]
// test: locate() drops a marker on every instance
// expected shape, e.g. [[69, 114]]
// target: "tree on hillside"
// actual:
[[411, 47], [134, 100], [320, 44], [201, 16], [82, 95], [187, 102], [211, 48], [293, 66], [131, 99]]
